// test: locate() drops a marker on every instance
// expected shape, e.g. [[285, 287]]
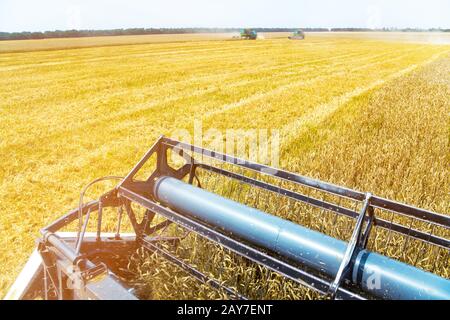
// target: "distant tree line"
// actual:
[[388, 30], [142, 31]]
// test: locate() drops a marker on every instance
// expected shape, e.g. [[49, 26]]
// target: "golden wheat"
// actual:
[[354, 110]]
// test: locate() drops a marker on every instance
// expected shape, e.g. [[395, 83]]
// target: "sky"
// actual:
[[43, 15]]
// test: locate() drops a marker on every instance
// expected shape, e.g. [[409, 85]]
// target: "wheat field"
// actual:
[[359, 110]]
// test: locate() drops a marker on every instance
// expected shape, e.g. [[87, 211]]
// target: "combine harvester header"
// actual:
[[249, 34], [298, 35], [336, 265]]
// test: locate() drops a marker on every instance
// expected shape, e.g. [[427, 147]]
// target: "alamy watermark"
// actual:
[[237, 145]]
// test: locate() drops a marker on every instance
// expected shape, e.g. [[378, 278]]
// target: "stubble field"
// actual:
[[356, 110]]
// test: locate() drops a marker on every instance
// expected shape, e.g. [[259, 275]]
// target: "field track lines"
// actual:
[[179, 96], [137, 112], [156, 46], [206, 61], [232, 56], [239, 71], [183, 55], [232, 77], [130, 122], [281, 89], [321, 112], [134, 113], [74, 76], [145, 107]]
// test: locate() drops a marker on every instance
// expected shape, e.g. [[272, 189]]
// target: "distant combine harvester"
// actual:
[[298, 35], [247, 34]]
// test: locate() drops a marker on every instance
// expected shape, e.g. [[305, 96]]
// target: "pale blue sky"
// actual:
[[29, 15]]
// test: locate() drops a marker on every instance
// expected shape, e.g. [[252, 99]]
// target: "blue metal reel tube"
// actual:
[[376, 274]]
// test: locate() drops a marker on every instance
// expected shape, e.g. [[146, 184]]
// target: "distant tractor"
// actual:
[[298, 35], [249, 34]]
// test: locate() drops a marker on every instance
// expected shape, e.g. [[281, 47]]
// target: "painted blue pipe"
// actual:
[[376, 274]]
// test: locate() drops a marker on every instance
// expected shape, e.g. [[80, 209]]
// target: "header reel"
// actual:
[[336, 242]]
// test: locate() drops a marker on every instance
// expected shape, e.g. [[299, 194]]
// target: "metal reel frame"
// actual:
[[74, 257]]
